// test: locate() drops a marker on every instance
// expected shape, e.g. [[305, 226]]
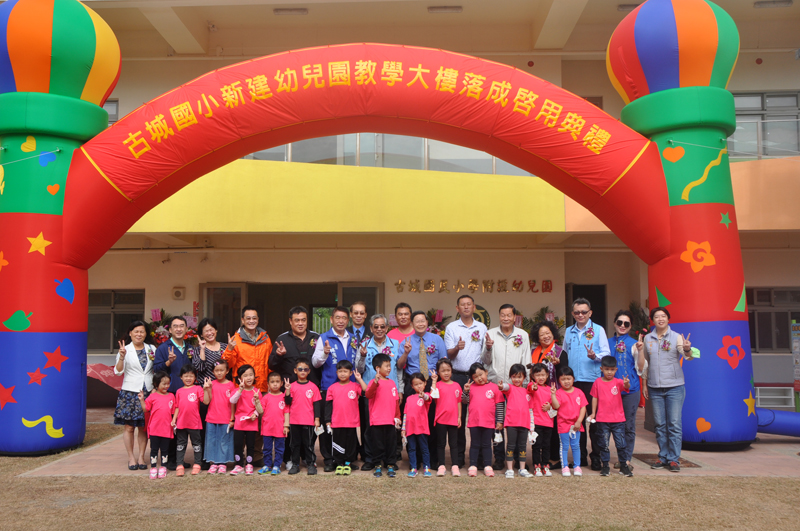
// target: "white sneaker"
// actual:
[[547, 472], [510, 474], [523, 473], [289, 465], [538, 473], [565, 472], [578, 471]]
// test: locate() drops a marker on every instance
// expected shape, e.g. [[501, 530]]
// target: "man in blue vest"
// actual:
[[332, 347]]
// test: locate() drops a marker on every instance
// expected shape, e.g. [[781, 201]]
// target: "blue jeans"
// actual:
[[568, 443], [617, 429], [630, 405], [421, 441], [667, 408], [278, 442]]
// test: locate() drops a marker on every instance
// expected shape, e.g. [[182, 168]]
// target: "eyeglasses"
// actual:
[[623, 324], [581, 312], [378, 327], [302, 369]]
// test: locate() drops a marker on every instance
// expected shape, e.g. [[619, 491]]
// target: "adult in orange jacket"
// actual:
[[250, 346]]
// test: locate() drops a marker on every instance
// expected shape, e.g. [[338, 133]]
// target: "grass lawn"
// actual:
[[363, 502]]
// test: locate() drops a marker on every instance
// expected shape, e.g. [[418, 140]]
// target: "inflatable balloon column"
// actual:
[[59, 62], [671, 60]]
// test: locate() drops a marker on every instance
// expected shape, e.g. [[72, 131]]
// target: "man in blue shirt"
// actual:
[[379, 344], [360, 334], [170, 356], [412, 360], [586, 345]]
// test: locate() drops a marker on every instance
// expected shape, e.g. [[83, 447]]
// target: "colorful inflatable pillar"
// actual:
[[58, 63], [671, 60]]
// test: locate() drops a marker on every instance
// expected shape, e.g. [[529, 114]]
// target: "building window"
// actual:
[[771, 312], [110, 314], [112, 108], [767, 125]]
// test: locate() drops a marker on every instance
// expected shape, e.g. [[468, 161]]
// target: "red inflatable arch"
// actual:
[[167, 143]]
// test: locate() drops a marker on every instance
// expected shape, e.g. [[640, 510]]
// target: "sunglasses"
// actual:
[[580, 312], [623, 324], [302, 369]]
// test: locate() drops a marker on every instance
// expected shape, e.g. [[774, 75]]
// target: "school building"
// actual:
[[386, 218]]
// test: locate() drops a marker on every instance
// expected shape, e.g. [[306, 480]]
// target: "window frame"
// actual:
[[113, 310]]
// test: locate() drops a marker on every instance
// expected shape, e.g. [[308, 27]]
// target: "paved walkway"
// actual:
[[771, 455]]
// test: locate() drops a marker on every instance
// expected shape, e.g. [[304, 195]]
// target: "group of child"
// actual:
[[526, 413]]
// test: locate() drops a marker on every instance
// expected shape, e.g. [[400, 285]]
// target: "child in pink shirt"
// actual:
[[415, 425], [274, 425], [518, 421], [219, 419], [161, 405], [187, 419], [485, 415], [571, 405], [245, 420], [306, 409], [342, 418], [540, 405], [447, 394], [607, 398], [384, 415]]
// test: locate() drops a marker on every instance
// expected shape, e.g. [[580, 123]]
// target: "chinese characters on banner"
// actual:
[[473, 285]]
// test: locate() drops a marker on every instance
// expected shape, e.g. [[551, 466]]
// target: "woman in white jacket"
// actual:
[[135, 362]]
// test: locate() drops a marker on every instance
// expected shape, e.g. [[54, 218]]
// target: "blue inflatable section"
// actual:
[[49, 400], [720, 398], [778, 422]]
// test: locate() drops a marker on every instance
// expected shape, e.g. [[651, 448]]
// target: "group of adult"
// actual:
[[655, 358]]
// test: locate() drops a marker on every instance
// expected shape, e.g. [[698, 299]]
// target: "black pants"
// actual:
[[517, 445], [303, 439], [480, 446], [172, 452], [443, 433], [159, 443], [197, 445], [240, 437], [555, 443], [410, 393], [461, 378], [366, 441], [345, 446], [541, 448], [325, 440], [500, 448], [594, 455], [385, 442]]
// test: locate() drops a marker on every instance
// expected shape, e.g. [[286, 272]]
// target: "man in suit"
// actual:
[[361, 335]]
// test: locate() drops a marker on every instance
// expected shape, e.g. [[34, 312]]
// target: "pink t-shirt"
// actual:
[[447, 403], [274, 409], [518, 407], [609, 400], [219, 409], [345, 404], [383, 406], [245, 408], [538, 398], [303, 397], [187, 400], [417, 415], [398, 336], [161, 408], [570, 405], [482, 400]]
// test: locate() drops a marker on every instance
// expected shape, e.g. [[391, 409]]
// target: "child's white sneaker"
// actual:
[[565, 472], [510, 474], [523, 473], [538, 473], [237, 470], [547, 472], [578, 471]]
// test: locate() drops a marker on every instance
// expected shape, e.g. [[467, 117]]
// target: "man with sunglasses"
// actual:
[[586, 344]]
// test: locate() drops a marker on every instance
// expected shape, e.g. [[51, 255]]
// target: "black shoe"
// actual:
[[596, 466], [312, 470], [658, 465], [328, 467], [294, 470], [605, 471], [354, 468], [172, 466], [366, 467], [498, 465], [555, 466], [674, 467], [377, 472], [390, 471], [625, 471]]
